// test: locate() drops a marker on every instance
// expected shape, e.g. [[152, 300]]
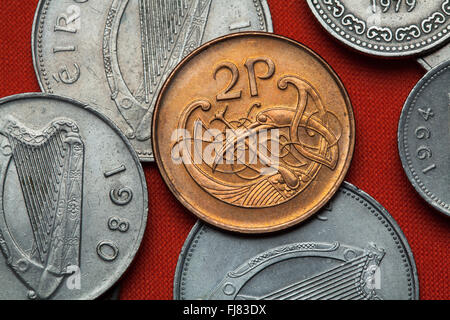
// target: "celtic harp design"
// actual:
[[351, 279], [49, 166], [170, 29], [308, 140]]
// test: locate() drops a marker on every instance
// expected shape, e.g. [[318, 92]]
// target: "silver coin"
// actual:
[[388, 28], [116, 55], [352, 250], [436, 58], [73, 200], [423, 137]]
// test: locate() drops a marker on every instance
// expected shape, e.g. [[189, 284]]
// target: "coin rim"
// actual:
[[127, 262], [330, 193], [346, 186], [35, 29], [404, 117], [382, 54]]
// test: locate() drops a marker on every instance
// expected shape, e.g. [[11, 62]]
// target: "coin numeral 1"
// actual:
[[428, 169]]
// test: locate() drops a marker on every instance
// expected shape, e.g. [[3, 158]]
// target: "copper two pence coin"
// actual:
[[253, 132]]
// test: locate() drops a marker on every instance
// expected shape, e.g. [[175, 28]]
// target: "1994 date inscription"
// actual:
[[423, 134]]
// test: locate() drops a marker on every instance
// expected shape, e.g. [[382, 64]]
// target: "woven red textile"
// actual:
[[378, 89]]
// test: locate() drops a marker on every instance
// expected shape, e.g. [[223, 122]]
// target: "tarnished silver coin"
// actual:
[[388, 28], [435, 58], [73, 200], [116, 54], [112, 294], [424, 135], [351, 250]]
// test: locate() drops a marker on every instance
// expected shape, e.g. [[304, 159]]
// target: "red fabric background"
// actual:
[[378, 89]]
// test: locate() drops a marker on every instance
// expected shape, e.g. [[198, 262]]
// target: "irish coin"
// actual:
[[253, 132], [115, 55], [325, 258], [73, 200], [436, 58], [423, 136], [389, 28]]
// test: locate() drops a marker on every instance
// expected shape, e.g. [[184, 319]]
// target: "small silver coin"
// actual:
[[116, 55], [423, 137], [353, 249], [387, 28], [73, 200]]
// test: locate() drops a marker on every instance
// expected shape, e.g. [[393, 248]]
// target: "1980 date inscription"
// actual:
[[106, 249]]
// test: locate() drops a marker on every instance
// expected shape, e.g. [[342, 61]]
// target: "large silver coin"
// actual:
[[116, 54], [424, 135], [352, 250], [389, 28], [73, 200]]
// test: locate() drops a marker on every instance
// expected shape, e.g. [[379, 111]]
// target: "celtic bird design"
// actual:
[[308, 140]]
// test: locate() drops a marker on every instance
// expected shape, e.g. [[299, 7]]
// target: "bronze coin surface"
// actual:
[[253, 132]]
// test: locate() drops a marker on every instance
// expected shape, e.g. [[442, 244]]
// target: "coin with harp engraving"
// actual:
[[424, 135], [387, 28], [325, 258], [73, 200], [116, 54]]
